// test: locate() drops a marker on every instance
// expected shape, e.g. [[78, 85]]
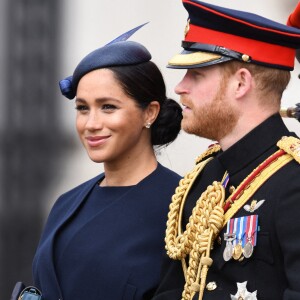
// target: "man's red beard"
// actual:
[[212, 121]]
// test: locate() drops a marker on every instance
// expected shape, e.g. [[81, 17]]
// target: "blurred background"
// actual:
[[40, 155]]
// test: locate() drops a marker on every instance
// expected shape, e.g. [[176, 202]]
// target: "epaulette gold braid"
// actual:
[[211, 150], [290, 145]]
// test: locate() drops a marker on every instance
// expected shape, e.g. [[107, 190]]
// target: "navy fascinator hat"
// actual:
[[118, 52]]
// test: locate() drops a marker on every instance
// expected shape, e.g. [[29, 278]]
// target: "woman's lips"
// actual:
[[95, 141]]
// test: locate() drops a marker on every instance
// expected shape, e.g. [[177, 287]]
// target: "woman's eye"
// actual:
[[81, 107], [108, 107]]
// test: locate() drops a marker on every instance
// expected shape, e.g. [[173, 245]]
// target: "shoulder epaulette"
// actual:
[[290, 145], [211, 150]]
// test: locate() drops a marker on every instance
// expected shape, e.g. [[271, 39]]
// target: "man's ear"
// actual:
[[244, 80], [152, 112]]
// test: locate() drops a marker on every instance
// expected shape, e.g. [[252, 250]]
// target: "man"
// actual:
[[233, 226]]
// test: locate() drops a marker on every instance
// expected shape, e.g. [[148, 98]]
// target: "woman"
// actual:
[[104, 239]]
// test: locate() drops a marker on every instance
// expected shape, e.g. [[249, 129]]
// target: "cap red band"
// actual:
[[259, 51]]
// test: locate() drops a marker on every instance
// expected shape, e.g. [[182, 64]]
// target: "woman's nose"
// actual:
[[94, 121]]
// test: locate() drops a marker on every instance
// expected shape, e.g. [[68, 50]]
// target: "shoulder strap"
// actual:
[[290, 145]]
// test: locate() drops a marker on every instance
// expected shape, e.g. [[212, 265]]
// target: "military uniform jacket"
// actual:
[[274, 267], [115, 254]]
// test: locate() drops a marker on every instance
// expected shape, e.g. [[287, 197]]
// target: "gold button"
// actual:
[[211, 286], [245, 57], [231, 189]]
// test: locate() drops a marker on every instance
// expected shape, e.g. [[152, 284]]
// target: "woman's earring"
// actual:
[[148, 125]]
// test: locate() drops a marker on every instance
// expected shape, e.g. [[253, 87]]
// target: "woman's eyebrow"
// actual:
[[98, 100]]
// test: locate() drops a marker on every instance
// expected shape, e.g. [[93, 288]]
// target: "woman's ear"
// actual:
[[244, 80], [152, 112]]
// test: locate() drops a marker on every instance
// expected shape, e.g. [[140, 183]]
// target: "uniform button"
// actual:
[[211, 286], [231, 189]]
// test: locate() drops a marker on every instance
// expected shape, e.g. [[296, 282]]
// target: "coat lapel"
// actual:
[[45, 250]]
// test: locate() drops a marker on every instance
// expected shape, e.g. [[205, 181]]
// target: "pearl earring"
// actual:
[[148, 125]]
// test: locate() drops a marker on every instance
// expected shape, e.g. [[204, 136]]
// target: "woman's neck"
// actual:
[[130, 171]]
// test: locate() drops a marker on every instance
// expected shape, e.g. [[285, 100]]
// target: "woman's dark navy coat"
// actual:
[[117, 254]]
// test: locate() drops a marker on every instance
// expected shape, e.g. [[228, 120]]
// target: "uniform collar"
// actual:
[[253, 145]]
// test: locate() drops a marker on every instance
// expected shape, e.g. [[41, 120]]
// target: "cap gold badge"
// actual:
[[187, 28]]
